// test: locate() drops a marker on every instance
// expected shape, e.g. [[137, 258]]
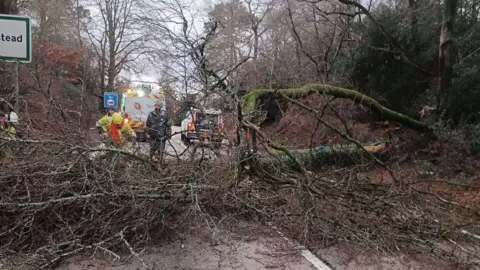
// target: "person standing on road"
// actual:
[[159, 128], [103, 124], [119, 130], [8, 125]]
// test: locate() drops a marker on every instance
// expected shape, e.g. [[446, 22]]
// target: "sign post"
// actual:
[[16, 86], [15, 44], [110, 99]]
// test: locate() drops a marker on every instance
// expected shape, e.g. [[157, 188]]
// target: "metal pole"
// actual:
[[15, 85]]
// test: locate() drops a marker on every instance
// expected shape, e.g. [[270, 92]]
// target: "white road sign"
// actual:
[[15, 39]]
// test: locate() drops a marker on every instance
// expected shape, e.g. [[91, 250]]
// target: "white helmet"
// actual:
[[12, 117]]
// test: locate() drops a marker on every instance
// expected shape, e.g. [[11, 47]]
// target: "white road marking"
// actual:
[[314, 260], [471, 234], [309, 256]]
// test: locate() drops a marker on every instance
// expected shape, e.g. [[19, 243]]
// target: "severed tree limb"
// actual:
[[250, 100], [274, 146], [84, 197], [343, 135], [130, 248]]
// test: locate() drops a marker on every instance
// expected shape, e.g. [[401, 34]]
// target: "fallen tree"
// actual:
[[55, 203], [250, 102], [336, 154]]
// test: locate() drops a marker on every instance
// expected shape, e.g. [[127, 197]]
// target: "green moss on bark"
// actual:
[[250, 101]]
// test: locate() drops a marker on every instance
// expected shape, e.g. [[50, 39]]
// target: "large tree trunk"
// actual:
[[413, 18], [336, 154], [111, 70], [250, 100], [8, 7], [446, 54], [256, 37], [474, 16], [112, 43], [43, 23]]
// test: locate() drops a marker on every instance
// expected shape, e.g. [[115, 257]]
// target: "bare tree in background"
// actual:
[[257, 11], [231, 42], [55, 19], [119, 39], [318, 31], [446, 53], [182, 48]]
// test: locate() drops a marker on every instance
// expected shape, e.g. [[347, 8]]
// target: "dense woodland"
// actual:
[[395, 52], [294, 74]]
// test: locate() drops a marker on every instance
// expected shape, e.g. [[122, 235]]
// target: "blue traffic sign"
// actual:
[[110, 99]]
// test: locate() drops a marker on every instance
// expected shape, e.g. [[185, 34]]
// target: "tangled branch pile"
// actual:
[[55, 202], [343, 204]]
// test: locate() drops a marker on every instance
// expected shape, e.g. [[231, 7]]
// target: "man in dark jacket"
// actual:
[[159, 130]]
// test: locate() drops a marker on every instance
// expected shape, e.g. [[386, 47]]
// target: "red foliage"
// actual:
[[41, 87], [61, 57], [297, 125]]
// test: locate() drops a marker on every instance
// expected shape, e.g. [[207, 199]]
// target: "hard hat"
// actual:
[[117, 118], [12, 117]]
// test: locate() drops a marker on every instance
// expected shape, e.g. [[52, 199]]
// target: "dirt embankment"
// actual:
[[297, 128]]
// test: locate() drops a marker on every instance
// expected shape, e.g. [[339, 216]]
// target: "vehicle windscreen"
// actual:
[[207, 121]]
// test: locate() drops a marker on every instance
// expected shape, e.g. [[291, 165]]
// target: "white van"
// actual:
[[203, 125], [136, 106]]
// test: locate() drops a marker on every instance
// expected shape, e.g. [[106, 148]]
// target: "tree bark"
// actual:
[[250, 100], [412, 9], [111, 45], [43, 22], [256, 37], [337, 154], [446, 54], [8, 7], [474, 16]]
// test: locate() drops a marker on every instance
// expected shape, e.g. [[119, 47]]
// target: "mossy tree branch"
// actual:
[[250, 100], [275, 146]]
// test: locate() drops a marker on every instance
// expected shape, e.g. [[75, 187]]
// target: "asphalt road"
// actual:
[[176, 149], [206, 252]]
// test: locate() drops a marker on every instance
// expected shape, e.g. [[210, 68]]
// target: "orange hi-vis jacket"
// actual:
[[118, 133]]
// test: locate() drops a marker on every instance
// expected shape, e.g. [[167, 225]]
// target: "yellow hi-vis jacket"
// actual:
[[104, 123], [9, 132]]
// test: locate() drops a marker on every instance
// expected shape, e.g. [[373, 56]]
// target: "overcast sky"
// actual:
[[196, 13], [196, 10]]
